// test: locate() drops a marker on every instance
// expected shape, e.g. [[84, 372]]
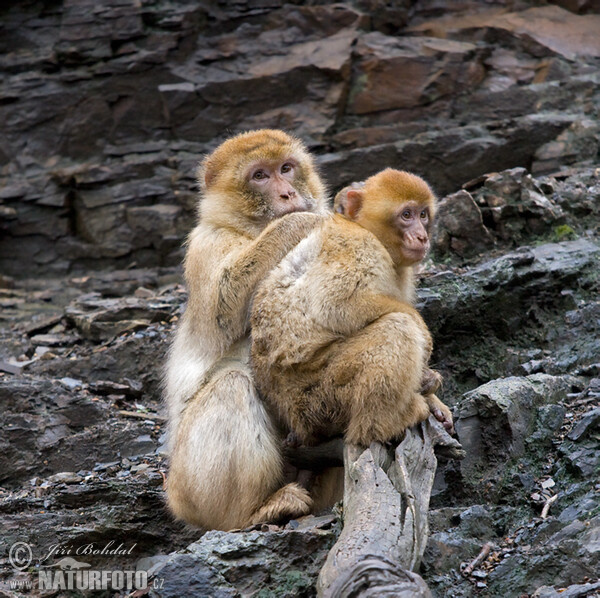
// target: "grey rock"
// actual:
[[580, 509], [235, 564], [70, 382], [446, 551], [187, 575], [495, 420], [584, 459], [106, 387], [570, 554], [459, 226], [549, 420], [66, 477], [100, 319], [514, 206], [573, 591], [476, 299], [480, 99], [590, 421], [477, 522], [577, 143], [141, 445], [106, 110]]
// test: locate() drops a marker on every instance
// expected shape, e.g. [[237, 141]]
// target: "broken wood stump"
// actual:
[[386, 500]]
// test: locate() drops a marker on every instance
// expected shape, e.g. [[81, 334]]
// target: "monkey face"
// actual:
[[397, 207], [273, 184], [412, 222], [257, 176]]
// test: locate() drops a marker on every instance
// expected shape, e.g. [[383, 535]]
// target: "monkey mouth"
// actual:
[[415, 251]]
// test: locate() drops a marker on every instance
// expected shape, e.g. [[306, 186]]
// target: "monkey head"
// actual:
[[397, 207], [258, 176]]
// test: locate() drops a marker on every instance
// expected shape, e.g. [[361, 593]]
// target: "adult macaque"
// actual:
[[337, 347], [226, 464]]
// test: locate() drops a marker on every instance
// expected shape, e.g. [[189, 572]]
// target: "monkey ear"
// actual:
[[209, 177], [352, 203], [206, 172]]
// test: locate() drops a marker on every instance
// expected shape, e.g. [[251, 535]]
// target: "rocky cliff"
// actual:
[[106, 109]]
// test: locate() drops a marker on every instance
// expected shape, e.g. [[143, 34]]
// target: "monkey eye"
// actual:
[[424, 215], [259, 175], [287, 167], [406, 214]]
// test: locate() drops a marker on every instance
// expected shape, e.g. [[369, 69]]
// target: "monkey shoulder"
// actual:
[[209, 248], [356, 250], [294, 267]]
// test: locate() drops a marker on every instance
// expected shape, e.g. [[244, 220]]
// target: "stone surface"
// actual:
[[459, 226], [214, 565], [105, 112], [494, 420]]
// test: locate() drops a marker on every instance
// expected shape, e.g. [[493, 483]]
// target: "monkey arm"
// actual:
[[247, 268], [353, 313], [327, 454]]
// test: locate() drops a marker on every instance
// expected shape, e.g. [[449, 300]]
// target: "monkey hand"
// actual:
[[298, 225], [291, 441], [274, 243], [430, 381], [440, 412]]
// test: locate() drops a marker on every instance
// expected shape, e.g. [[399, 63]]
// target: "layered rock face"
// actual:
[[106, 108]]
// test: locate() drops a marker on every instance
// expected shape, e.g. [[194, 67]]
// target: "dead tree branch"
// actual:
[[386, 499]]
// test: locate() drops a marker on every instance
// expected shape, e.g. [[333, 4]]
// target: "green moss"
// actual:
[[360, 83], [290, 583], [563, 232]]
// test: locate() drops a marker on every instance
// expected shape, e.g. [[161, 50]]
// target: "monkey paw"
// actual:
[[287, 503], [441, 412], [291, 441]]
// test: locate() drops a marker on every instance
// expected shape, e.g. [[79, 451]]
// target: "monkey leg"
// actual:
[[288, 502], [431, 381], [226, 465], [327, 488], [375, 377]]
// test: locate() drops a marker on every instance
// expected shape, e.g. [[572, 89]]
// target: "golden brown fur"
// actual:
[[225, 466], [337, 347]]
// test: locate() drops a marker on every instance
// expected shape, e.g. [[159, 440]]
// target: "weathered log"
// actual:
[[386, 499]]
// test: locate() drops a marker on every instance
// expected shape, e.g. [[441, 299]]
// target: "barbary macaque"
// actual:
[[337, 347], [258, 191]]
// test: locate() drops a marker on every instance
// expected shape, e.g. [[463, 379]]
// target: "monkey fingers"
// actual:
[[291, 441], [441, 412]]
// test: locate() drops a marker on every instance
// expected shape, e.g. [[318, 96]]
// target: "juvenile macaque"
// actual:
[[337, 347], [226, 464]]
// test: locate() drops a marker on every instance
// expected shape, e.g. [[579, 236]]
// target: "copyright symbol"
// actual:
[[20, 555]]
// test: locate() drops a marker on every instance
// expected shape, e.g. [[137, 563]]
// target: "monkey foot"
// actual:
[[440, 412], [288, 502]]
